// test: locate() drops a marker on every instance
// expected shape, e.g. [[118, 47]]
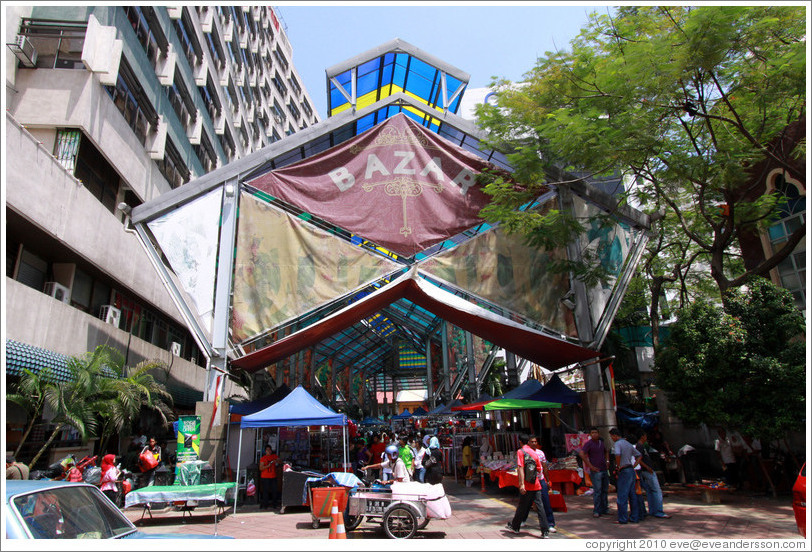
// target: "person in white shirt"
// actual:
[[394, 463], [420, 453]]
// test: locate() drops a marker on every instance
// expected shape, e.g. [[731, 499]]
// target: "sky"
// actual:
[[482, 39]]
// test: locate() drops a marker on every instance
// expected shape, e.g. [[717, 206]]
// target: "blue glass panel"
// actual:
[[368, 67], [336, 98], [419, 86], [387, 73], [365, 123], [422, 68], [777, 232], [367, 83], [344, 78]]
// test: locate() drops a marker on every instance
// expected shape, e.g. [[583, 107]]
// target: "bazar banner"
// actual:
[[502, 269], [285, 267], [188, 238], [398, 185], [188, 439]]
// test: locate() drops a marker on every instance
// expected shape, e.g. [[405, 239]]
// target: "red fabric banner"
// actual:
[[398, 184]]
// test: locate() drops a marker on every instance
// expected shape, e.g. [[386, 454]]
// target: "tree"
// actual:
[[29, 393], [102, 396], [741, 365], [686, 103], [121, 397]]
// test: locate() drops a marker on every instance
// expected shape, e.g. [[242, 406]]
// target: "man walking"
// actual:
[[529, 472], [596, 459], [268, 482], [626, 456], [651, 485]]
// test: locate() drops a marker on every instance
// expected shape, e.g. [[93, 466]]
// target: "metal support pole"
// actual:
[[469, 353], [239, 457], [446, 375], [429, 377]]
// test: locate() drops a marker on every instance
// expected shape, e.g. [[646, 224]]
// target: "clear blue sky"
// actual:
[[482, 40]]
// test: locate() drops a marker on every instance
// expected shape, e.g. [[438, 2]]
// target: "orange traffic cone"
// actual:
[[337, 530], [333, 520], [341, 532]]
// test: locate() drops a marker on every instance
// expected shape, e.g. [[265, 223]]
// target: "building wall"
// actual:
[[53, 200], [59, 219]]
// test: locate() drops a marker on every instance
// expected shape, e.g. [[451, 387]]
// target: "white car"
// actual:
[[44, 509]]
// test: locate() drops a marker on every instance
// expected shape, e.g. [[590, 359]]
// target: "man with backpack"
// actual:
[[528, 469]]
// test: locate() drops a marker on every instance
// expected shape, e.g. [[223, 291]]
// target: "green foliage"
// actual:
[[684, 101], [102, 397], [740, 366]]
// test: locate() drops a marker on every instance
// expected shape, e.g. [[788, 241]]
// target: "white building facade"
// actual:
[[108, 107]]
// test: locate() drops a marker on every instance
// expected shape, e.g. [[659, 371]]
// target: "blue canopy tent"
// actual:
[[436, 410], [446, 409], [420, 411], [405, 415], [555, 391], [370, 421], [299, 408]]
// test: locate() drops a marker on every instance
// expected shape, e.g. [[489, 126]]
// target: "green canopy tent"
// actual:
[[518, 404]]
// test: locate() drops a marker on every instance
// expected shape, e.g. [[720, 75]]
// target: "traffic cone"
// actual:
[[333, 520], [341, 532]]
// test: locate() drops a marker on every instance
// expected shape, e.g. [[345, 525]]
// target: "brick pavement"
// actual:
[[478, 515]]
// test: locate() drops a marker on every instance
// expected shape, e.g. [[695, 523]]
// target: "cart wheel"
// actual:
[[423, 524], [352, 522], [316, 523], [399, 523]]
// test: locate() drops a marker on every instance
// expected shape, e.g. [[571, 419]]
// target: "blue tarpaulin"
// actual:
[[643, 420]]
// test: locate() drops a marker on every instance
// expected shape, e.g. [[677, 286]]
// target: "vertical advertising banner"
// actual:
[[188, 439]]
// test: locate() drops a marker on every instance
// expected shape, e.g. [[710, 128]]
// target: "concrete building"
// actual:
[[108, 107]]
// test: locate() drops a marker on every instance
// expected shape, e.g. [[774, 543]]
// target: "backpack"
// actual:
[[530, 469]]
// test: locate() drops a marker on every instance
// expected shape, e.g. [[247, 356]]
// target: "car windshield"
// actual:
[[71, 512]]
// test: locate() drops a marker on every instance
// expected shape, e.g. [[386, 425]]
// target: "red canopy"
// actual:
[[473, 406], [535, 346]]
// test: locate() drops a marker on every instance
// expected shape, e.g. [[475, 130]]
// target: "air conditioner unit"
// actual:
[[57, 291], [24, 49], [175, 348], [110, 314]]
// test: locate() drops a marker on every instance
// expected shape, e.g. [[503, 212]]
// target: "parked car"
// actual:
[[799, 501], [44, 509]]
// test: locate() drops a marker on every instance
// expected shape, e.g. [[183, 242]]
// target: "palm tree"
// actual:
[[70, 403], [30, 395], [103, 396], [122, 398]]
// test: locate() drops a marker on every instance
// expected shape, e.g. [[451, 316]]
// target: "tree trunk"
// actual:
[[44, 447], [766, 473], [27, 431]]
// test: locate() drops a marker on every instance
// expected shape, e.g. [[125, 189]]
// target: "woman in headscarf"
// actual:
[[433, 462], [109, 477]]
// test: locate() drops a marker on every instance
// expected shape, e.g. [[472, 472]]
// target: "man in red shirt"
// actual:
[[377, 449], [529, 486], [268, 490]]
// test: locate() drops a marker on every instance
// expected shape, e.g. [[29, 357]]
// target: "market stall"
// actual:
[[298, 409]]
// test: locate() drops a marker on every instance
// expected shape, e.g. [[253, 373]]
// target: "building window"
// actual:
[[130, 100], [142, 32], [172, 166], [792, 270], [205, 153], [185, 37], [280, 86], [177, 102], [66, 147], [280, 57]]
